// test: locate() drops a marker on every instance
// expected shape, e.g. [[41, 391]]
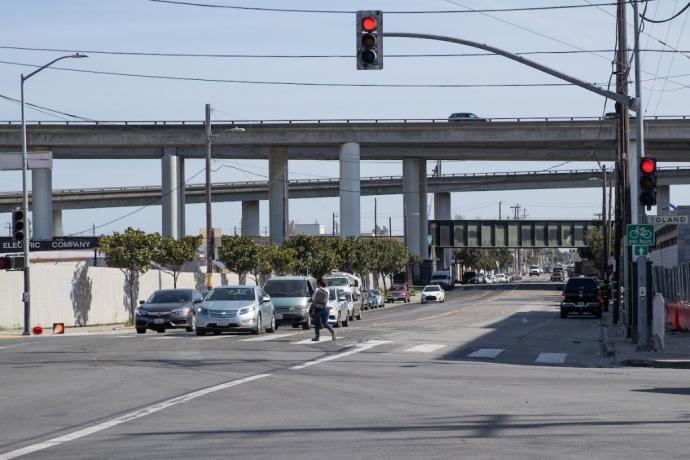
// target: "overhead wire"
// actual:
[[674, 16]]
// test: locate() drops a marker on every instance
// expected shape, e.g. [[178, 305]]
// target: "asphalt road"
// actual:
[[488, 374]]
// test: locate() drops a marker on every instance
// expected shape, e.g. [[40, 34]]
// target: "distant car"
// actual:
[[354, 307], [557, 276], [433, 293], [337, 307], [375, 299], [480, 279], [534, 270], [490, 279], [502, 278], [581, 295], [468, 277], [167, 309], [236, 308], [398, 292], [464, 116]]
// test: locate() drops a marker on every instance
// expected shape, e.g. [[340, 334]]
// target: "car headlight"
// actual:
[[140, 312], [180, 312], [202, 310], [298, 308], [246, 310]]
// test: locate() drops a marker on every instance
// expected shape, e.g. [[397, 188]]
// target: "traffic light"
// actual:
[[370, 40], [18, 224], [648, 182]]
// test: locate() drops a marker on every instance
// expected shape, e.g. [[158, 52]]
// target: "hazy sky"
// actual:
[[153, 27]]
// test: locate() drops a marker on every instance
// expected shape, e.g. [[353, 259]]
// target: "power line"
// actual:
[[659, 21], [294, 10]]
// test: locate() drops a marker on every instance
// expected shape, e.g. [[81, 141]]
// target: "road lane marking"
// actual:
[[551, 358], [128, 417], [323, 338], [425, 348], [266, 337], [489, 353], [12, 346], [364, 346]]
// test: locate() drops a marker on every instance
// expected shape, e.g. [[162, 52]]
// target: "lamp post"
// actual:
[[26, 298]]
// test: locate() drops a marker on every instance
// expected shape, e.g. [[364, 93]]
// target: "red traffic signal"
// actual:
[[648, 165], [369, 23], [648, 182], [369, 40]]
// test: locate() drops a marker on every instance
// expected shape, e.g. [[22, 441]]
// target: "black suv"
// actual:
[[581, 295]]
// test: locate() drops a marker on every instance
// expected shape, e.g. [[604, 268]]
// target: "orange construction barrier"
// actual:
[[677, 315]]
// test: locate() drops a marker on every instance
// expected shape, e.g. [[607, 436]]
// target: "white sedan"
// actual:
[[433, 293]]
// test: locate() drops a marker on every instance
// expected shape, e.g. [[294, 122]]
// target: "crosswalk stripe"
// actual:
[[551, 358], [489, 353], [323, 338], [425, 348], [263, 338]]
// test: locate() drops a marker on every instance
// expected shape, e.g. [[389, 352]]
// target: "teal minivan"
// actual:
[[291, 297]]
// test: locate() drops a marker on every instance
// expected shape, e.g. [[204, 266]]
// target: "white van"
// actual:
[[443, 278], [345, 281]]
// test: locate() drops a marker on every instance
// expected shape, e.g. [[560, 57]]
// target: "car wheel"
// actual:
[[337, 321], [295, 325], [272, 328], [359, 316], [564, 313], [259, 326], [141, 330], [192, 323], [160, 331], [346, 322], [200, 331], [306, 325]]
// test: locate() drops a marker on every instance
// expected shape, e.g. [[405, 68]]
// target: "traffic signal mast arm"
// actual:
[[621, 98]]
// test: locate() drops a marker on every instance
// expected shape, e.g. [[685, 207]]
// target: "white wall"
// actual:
[[78, 295]]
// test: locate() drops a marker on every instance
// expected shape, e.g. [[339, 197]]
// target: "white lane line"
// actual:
[[551, 358], [127, 417], [425, 348], [364, 346], [266, 337], [323, 338], [12, 346], [490, 353]]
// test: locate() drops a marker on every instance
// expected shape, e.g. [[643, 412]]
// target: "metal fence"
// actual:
[[673, 283]]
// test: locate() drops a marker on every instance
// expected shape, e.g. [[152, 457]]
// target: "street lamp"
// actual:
[[25, 199]]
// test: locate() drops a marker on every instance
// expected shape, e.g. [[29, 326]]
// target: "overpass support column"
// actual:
[[349, 190], [411, 204], [663, 200], [169, 195], [57, 222], [442, 212], [423, 211], [42, 204], [181, 199], [250, 218], [278, 201]]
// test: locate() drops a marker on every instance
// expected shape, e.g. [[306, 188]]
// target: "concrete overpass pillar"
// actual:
[[57, 222], [42, 204], [181, 199], [423, 211], [663, 200], [250, 218], [442, 212], [278, 210], [169, 195], [349, 190], [411, 202]]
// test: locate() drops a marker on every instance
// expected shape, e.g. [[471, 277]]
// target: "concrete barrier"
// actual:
[[677, 315], [78, 295]]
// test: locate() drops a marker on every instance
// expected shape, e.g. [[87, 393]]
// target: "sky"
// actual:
[[142, 26]]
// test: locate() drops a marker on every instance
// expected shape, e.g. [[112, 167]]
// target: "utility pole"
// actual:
[[516, 211], [524, 213], [209, 221], [390, 226], [605, 227], [376, 225], [499, 210], [95, 249]]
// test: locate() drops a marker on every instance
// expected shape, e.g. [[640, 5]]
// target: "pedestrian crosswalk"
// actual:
[[486, 353]]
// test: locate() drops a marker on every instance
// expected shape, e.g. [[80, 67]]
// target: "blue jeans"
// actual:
[[321, 320]]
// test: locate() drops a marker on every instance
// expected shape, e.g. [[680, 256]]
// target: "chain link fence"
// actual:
[[673, 283]]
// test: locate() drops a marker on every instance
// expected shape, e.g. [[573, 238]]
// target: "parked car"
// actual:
[[167, 309], [501, 278], [375, 299], [354, 307], [581, 295], [443, 278], [480, 279], [398, 292], [291, 297], [468, 278], [433, 293], [490, 279], [337, 307], [236, 308], [464, 116]]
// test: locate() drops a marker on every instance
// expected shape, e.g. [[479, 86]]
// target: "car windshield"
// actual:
[[575, 284], [439, 277], [397, 287], [231, 294], [336, 281], [374, 292], [170, 297], [432, 288], [286, 288]]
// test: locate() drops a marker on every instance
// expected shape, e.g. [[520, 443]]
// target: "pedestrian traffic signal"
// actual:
[[648, 182], [369, 40], [18, 224]]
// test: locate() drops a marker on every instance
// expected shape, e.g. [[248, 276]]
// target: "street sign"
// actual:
[[12, 161], [640, 251], [60, 243], [640, 235], [429, 239], [672, 219]]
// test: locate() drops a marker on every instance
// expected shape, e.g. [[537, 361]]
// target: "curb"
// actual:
[[659, 364]]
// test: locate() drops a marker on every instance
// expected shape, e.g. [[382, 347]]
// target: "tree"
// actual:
[[239, 254], [172, 255], [389, 257], [314, 256], [283, 260], [263, 264], [132, 252], [594, 239]]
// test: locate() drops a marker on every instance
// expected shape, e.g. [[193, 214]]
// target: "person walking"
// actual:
[[318, 304]]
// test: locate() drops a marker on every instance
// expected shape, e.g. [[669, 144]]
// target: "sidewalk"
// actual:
[[74, 331], [675, 355]]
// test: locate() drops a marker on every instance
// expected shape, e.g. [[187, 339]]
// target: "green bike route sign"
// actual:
[[640, 235]]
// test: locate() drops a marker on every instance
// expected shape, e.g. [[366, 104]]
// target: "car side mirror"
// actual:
[[198, 301], [266, 298], [142, 302]]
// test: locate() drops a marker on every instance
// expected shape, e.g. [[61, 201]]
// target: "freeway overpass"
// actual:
[[313, 188]]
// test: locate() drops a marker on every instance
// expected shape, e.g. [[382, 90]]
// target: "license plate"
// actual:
[[158, 321], [580, 304], [279, 316], [223, 322]]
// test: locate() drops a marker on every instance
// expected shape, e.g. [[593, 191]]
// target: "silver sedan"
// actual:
[[236, 308]]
